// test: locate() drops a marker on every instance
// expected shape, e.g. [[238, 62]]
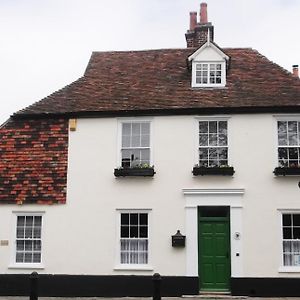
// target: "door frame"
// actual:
[[224, 219], [195, 197]]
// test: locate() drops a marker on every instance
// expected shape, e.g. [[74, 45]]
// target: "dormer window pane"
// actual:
[[208, 73]]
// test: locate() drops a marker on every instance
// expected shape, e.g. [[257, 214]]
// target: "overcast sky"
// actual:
[[46, 44]]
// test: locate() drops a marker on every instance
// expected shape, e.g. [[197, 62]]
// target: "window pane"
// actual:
[[203, 153], [135, 157], [145, 140], [287, 220], [37, 245], [28, 232], [223, 153], [36, 257], [292, 133], [146, 128], [296, 233], [125, 141], [21, 245], [136, 141], [203, 139], [143, 232], [20, 257], [296, 219], [134, 231], [124, 231], [213, 153], [28, 257], [20, 232], [293, 153], [293, 139], [213, 140], [28, 245], [203, 127], [37, 232], [136, 128], [143, 219], [29, 221], [126, 128], [203, 163], [37, 221], [133, 219], [222, 140], [282, 139], [213, 127], [124, 219], [21, 221], [287, 233], [145, 156], [223, 127]]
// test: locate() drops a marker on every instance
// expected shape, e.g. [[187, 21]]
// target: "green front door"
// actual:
[[214, 253]]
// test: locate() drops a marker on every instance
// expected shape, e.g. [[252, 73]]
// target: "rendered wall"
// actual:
[[81, 236]]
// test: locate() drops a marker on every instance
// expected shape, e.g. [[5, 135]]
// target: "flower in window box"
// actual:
[[292, 169], [144, 170], [224, 170]]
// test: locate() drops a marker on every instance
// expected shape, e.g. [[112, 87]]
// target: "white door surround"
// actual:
[[213, 197]]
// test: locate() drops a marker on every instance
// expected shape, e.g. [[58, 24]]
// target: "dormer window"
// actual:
[[208, 67]]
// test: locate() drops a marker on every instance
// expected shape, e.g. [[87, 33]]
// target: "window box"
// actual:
[[282, 171], [145, 172], [225, 171]]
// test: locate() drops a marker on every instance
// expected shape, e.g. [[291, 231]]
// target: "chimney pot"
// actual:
[[296, 71], [193, 20], [203, 13]]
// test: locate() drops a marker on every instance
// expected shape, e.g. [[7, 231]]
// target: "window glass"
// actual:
[[134, 238], [291, 239], [135, 144], [28, 239], [208, 73], [213, 149], [288, 144]]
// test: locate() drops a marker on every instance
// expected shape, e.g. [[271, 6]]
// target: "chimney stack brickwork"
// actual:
[[296, 71], [197, 35]]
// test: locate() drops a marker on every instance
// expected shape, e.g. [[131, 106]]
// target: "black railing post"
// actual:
[[34, 277], [156, 286]]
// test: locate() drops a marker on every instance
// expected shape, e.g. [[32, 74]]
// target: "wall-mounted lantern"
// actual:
[[178, 240]]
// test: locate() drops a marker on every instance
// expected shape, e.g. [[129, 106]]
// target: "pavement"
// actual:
[[200, 297]]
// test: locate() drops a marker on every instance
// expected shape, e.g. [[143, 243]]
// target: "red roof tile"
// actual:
[[159, 80]]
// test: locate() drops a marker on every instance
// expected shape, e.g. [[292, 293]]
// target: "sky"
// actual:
[[46, 44]]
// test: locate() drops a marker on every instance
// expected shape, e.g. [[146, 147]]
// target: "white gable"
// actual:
[[208, 52]]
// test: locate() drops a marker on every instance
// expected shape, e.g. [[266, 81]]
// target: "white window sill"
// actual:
[[289, 269], [133, 268], [26, 266]]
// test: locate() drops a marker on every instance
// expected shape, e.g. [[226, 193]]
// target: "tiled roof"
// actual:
[[159, 80], [33, 161]]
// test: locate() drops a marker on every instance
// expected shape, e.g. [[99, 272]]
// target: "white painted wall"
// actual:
[[80, 237]]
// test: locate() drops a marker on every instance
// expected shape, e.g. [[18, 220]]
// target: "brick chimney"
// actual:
[[296, 71], [197, 35]]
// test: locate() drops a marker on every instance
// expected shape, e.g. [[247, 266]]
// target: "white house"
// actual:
[[97, 178]]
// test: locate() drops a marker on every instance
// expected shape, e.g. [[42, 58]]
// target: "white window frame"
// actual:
[[119, 142], [209, 85], [283, 268], [13, 264], [209, 119], [137, 267], [277, 118]]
